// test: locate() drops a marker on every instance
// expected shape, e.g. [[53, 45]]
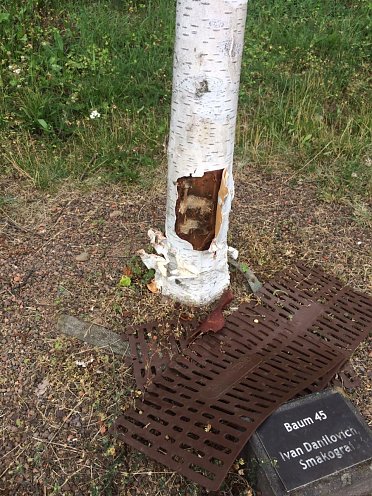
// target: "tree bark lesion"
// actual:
[[196, 208], [202, 88]]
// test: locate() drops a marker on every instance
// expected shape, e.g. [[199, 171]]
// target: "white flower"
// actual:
[[94, 114], [354, 174]]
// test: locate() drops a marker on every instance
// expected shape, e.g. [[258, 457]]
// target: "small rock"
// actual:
[[43, 302], [75, 421], [42, 388], [115, 213], [83, 257]]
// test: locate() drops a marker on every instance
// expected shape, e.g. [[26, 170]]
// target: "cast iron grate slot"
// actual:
[[230, 393], [223, 425]]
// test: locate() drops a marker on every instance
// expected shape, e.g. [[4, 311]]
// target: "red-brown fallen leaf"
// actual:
[[153, 287], [127, 271], [102, 429], [17, 278], [215, 320]]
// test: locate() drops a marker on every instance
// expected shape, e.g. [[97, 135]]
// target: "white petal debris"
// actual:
[[84, 363], [233, 253]]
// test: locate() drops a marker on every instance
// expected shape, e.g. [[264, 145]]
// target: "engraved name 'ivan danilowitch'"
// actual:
[[322, 449], [313, 438]]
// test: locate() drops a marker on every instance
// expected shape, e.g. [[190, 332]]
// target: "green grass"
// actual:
[[304, 96], [59, 65], [304, 99]]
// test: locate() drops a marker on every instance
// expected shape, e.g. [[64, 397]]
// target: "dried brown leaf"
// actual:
[[153, 287]]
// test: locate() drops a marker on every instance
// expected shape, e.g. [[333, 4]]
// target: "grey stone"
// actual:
[[93, 334], [82, 257]]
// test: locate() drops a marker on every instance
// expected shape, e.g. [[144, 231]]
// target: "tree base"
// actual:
[[196, 292], [186, 275]]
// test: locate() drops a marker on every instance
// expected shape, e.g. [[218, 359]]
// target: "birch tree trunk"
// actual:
[[191, 262]]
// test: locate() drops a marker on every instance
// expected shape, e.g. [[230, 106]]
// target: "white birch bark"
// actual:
[[206, 74]]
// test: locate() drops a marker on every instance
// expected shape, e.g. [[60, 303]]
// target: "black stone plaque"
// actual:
[[314, 438]]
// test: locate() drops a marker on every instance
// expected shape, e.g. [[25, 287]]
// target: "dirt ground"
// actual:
[[65, 253]]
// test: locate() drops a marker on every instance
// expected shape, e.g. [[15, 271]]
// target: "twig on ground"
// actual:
[[6, 454], [73, 410], [24, 282], [72, 475], [13, 461], [46, 420], [58, 460], [89, 164], [67, 204], [15, 224], [308, 162], [60, 445]]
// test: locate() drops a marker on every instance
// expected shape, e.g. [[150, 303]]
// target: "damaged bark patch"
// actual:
[[196, 208], [202, 88]]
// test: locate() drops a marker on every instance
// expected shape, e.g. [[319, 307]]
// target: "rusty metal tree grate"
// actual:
[[199, 412], [146, 357]]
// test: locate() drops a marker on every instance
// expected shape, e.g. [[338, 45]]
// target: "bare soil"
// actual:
[[65, 252]]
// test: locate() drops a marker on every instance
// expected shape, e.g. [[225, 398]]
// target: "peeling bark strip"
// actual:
[[191, 261], [196, 208]]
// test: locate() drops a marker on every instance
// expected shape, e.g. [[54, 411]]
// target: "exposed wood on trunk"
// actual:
[[196, 208]]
